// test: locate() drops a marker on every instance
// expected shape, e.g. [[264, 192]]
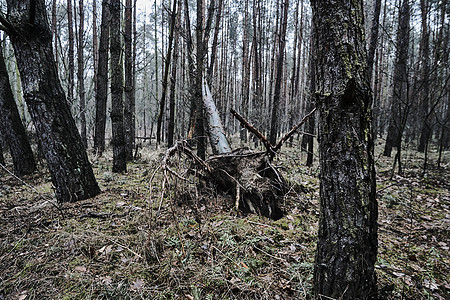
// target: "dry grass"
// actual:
[[132, 242]]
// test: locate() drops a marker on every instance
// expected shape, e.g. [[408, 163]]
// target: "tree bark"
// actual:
[[80, 74], [12, 126], [173, 79], [347, 244], [277, 92], [118, 132], [101, 94], [71, 54], [58, 136], [129, 108], [162, 102], [400, 101]]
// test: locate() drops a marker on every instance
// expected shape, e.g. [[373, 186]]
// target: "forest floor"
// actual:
[[135, 242]]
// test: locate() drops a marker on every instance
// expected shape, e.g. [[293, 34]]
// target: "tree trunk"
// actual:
[[80, 74], [162, 102], [118, 134], [12, 127], [347, 245], [373, 37], [425, 133], [54, 30], [219, 142], [173, 79], [58, 136], [101, 95], [129, 112], [276, 99], [245, 92], [71, 54], [400, 91]]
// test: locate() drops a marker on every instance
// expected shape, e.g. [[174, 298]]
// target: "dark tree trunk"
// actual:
[[173, 79], [58, 136], [80, 74], [308, 137], [373, 37], [12, 126], [347, 245], [162, 103], [400, 91], [101, 95], [71, 54], [129, 121], [54, 30], [274, 127], [425, 133], [118, 132], [245, 93]]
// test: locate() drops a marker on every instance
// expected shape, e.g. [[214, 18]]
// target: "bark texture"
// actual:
[[12, 126], [347, 245], [118, 131], [129, 107], [58, 136], [101, 95]]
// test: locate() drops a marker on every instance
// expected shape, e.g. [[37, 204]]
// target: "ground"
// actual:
[[135, 242]]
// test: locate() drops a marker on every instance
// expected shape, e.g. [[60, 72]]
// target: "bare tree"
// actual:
[[29, 32]]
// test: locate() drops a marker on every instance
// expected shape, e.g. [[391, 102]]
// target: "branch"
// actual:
[[6, 25], [293, 130], [252, 129]]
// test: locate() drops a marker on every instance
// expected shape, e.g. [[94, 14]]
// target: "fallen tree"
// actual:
[[249, 179]]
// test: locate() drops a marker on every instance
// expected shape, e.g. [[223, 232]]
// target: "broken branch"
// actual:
[[252, 129]]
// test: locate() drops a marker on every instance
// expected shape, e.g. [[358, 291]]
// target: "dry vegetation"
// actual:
[[135, 242]]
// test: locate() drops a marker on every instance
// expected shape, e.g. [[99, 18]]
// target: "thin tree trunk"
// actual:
[[54, 30], [12, 127], [71, 54], [162, 102], [347, 243], [276, 99], [173, 79], [80, 73], [129, 91], [245, 92], [373, 37], [425, 133], [118, 133], [101, 95], [58, 136]]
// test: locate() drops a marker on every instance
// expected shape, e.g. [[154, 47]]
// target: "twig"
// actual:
[[34, 190]]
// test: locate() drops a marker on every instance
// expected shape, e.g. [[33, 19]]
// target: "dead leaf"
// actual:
[[81, 269], [137, 285], [235, 280], [23, 295], [106, 280], [291, 227], [106, 249], [119, 204], [430, 284], [189, 297]]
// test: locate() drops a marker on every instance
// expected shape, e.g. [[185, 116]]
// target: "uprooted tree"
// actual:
[[247, 177]]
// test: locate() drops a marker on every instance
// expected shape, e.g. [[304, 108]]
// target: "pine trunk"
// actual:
[[101, 95], [58, 136], [12, 127], [129, 121], [347, 245], [80, 74], [118, 132], [71, 54]]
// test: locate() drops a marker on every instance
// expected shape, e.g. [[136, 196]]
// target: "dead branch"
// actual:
[[292, 131], [252, 129]]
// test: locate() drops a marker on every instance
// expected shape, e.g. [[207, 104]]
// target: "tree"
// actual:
[[276, 99], [30, 35], [401, 104], [71, 51], [347, 243], [101, 95], [80, 73], [118, 132], [12, 127], [129, 107]]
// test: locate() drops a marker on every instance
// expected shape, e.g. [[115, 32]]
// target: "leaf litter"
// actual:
[[132, 242]]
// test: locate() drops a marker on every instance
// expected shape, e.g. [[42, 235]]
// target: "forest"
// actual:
[[218, 149]]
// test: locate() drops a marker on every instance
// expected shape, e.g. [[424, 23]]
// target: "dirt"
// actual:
[[133, 241]]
